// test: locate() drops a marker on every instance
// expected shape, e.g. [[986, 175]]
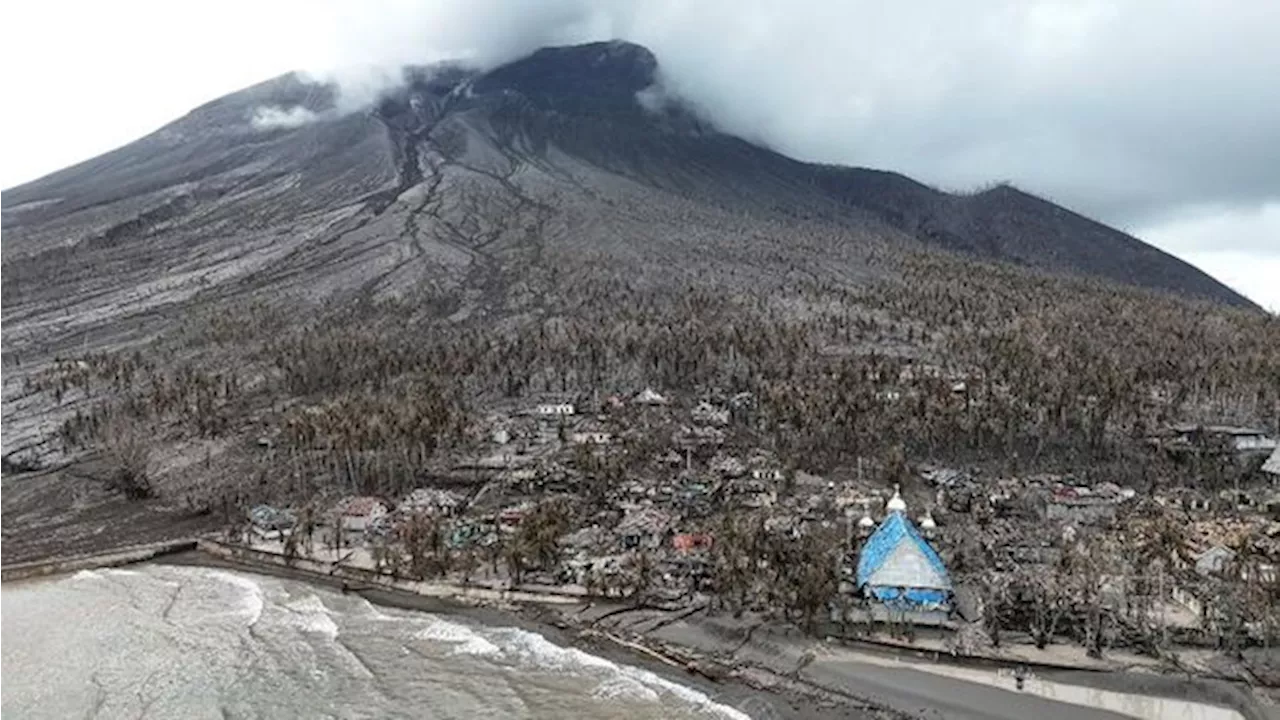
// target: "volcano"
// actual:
[[274, 299], [469, 187]]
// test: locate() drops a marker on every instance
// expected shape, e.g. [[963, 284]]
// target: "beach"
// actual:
[[760, 669]]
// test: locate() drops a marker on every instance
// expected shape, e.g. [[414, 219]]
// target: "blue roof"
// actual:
[[895, 530]]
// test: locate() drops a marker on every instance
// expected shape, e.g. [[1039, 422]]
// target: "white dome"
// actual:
[[866, 522], [896, 503], [927, 522]]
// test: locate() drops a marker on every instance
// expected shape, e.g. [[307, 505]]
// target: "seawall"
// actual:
[[115, 558]]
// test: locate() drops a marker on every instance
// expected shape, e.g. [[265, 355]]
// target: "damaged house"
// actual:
[[646, 528], [1195, 439]]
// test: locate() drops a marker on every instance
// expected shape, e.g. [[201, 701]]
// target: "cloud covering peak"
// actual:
[[1120, 109], [1150, 115]]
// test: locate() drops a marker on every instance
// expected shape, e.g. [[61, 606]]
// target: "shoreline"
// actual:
[[757, 677], [741, 694]]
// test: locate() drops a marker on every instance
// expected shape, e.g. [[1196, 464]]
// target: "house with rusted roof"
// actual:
[[358, 513]]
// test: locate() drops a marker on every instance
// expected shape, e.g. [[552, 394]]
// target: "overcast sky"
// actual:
[[1160, 117]]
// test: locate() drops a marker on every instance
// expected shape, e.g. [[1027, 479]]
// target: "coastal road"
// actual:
[[880, 680], [929, 695]]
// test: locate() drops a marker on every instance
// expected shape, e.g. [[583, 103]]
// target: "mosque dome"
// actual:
[[896, 503]]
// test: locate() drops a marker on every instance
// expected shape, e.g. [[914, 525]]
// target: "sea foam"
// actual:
[[621, 687], [251, 598], [619, 680], [309, 614], [468, 641]]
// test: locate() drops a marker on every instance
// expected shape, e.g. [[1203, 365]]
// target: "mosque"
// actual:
[[896, 564]]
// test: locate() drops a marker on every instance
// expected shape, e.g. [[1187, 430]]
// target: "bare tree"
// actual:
[[126, 451]]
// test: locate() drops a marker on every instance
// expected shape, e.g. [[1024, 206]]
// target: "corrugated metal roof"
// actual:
[[896, 554]]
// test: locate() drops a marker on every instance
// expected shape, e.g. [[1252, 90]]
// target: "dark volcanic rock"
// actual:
[[589, 79]]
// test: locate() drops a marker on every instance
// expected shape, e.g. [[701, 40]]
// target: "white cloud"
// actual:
[[270, 118], [1119, 109], [1250, 275], [1239, 246]]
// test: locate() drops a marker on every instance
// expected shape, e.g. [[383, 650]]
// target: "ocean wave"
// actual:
[[315, 623], [372, 612], [309, 615], [307, 604], [251, 599], [445, 631], [544, 654], [538, 651], [477, 646], [696, 698], [469, 642], [621, 687]]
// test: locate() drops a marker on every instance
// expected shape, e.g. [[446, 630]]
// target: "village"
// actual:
[[710, 521]]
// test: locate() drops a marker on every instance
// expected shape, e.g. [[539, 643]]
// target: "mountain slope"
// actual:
[[270, 301], [461, 176], [481, 194]]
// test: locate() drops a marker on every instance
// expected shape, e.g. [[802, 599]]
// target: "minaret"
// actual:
[[866, 525], [896, 503], [927, 524]]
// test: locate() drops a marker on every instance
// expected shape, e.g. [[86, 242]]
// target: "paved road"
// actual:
[[929, 695]]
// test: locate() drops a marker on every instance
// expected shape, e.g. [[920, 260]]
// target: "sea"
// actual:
[[161, 641]]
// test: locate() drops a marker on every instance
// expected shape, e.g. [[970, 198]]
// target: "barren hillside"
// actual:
[[363, 288]]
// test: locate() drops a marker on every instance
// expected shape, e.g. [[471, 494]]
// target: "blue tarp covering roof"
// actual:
[[879, 548]]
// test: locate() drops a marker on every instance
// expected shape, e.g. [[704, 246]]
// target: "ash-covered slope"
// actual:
[[469, 188]]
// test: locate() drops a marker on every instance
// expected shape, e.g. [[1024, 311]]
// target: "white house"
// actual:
[[767, 474], [1251, 440], [709, 414], [554, 409], [649, 396], [591, 438], [1242, 440], [1214, 560]]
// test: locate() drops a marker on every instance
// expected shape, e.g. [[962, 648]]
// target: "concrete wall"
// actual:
[[114, 558]]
